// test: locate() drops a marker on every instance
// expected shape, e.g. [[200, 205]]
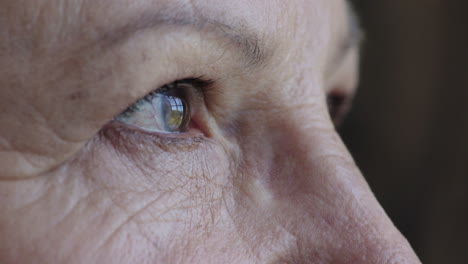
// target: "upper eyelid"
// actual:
[[200, 84]]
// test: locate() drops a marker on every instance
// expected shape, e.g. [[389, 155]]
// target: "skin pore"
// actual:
[[259, 175]]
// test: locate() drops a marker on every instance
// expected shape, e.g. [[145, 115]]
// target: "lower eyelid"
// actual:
[[126, 138]]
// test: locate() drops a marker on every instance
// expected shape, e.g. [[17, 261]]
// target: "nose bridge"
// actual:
[[324, 199], [304, 149]]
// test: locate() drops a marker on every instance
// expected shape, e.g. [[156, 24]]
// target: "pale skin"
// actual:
[[259, 176]]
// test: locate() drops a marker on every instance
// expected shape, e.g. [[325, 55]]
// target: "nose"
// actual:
[[310, 188]]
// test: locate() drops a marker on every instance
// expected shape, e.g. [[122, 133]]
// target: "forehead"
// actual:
[[50, 23]]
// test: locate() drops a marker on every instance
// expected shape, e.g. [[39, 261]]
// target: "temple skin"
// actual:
[[261, 176]]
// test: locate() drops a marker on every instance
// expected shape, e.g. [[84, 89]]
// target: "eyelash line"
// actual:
[[200, 84]]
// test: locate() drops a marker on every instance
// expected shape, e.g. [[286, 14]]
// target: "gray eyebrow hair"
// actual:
[[252, 49]]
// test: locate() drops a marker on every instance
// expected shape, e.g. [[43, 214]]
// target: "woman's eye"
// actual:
[[166, 110]]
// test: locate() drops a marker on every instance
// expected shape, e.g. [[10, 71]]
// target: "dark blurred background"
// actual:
[[409, 127]]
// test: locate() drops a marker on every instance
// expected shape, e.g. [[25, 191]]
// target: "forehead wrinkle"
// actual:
[[251, 47]]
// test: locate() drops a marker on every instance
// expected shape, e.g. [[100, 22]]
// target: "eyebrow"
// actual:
[[252, 49]]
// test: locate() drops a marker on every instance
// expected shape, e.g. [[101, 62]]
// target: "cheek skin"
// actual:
[[173, 201], [148, 208]]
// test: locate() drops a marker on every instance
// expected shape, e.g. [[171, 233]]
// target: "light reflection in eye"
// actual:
[[165, 111], [174, 112]]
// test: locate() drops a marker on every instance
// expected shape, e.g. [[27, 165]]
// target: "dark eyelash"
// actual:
[[200, 83]]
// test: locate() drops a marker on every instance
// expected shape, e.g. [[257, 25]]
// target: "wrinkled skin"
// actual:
[[261, 176]]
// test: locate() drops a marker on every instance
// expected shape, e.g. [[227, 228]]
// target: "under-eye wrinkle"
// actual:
[[134, 141]]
